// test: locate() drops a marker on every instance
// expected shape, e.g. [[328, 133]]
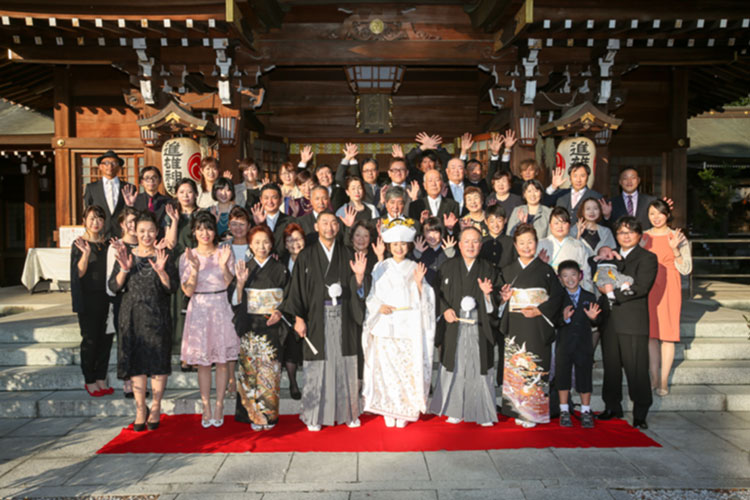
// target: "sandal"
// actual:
[[206, 422], [218, 422]]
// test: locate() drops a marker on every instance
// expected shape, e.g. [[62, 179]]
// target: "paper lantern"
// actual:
[[576, 150], [180, 157]]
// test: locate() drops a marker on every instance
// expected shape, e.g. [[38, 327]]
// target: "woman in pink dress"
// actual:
[[209, 337], [665, 298]]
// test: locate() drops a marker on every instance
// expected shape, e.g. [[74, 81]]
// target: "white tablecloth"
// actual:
[[47, 263]]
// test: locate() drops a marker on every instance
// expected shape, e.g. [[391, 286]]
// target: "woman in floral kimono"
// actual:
[[533, 297], [258, 293], [398, 333]]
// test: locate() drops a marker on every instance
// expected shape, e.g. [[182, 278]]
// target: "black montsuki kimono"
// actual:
[[308, 293], [528, 343], [454, 282], [260, 347]]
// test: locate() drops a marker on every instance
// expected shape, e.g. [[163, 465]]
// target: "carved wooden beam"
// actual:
[[514, 27]]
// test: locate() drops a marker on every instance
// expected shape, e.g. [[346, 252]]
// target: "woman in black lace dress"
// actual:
[[146, 277]]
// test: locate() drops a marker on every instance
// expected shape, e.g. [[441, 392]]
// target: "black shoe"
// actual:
[[129, 395], [152, 426], [609, 414], [295, 393], [640, 424], [187, 368], [565, 420], [141, 427]]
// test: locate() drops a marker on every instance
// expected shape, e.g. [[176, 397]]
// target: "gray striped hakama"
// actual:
[[465, 393], [330, 394]]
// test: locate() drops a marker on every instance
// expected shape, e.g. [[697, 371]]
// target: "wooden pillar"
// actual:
[[677, 159], [601, 178], [31, 208], [64, 173]]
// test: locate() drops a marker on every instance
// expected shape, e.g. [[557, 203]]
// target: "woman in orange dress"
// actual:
[[665, 298]]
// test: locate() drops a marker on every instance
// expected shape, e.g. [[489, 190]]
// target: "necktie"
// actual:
[[573, 300], [150, 204], [631, 212]]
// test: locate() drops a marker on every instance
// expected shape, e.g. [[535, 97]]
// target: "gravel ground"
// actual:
[[690, 494]]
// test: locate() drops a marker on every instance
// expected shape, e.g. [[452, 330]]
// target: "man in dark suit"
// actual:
[[368, 172], [270, 215], [434, 205], [320, 201], [109, 192], [625, 337], [578, 191], [631, 202]]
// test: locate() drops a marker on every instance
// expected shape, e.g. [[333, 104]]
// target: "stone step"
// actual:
[[51, 378], [76, 403]]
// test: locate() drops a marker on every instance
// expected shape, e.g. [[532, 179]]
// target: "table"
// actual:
[[47, 263]]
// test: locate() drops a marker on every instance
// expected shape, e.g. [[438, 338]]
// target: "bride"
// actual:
[[398, 333]]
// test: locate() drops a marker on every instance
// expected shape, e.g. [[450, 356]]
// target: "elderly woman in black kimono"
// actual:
[[533, 298], [257, 295]]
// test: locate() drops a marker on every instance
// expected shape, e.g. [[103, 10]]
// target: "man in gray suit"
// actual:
[[579, 191], [109, 193]]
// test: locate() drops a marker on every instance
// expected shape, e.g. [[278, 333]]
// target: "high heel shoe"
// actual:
[[152, 426], [207, 422], [96, 394], [218, 421], [141, 427]]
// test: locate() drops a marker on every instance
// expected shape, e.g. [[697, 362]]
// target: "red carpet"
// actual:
[[184, 434]]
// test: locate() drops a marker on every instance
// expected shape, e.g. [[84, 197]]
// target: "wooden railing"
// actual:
[[718, 241]]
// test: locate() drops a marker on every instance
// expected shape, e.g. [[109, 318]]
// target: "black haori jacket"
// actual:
[[309, 290]]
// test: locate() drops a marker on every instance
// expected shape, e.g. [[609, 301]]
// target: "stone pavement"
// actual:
[[56, 457]]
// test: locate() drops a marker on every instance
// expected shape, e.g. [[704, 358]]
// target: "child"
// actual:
[[431, 249], [574, 345], [497, 247], [606, 270]]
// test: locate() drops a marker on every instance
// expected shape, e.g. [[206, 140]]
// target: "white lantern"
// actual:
[[180, 157], [576, 150]]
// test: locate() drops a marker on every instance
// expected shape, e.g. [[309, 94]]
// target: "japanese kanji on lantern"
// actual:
[[180, 157], [576, 150]]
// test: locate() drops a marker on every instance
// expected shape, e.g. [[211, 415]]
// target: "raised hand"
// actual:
[[606, 207], [543, 255], [420, 272], [485, 285], [466, 222], [274, 318], [420, 244], [568, 312], [225, 253], [379, 248], [506, 292], [160, 262], [116, 243], [171, 212], [383, 190], [510, 139], [161, 244], [423, 216], [558, 177], [359, 266], [125, 260], [496, 142], [413, 190], [676, 239], [241, 272], [580, 227], [397, 151], [227, 174], [192, 258], [350, 151], [593, 310], [523, 216], [128, 194], [423, 140], [83, 246], [350, 214], [669, 202], [259, 215], [266, 179], [306, 154], [467, 141], [450, 220], [448, 242], [436, 140]]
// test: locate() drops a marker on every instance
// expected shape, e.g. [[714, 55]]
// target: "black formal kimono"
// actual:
[[259, 377], [465, 388], [499, 251], [625, 335], [528, 343], [330, 395]]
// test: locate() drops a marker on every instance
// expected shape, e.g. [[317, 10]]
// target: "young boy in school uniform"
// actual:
[[574, 345]]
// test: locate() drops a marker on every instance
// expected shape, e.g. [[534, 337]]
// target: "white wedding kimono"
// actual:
[[398, 347]]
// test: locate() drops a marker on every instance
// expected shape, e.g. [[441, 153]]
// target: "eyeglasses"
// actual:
[[369, 170], [623, 233], [295, 240], [151, 178], [110, 163]]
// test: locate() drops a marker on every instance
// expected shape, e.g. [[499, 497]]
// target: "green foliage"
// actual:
[[742, 101], [714, 197]]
